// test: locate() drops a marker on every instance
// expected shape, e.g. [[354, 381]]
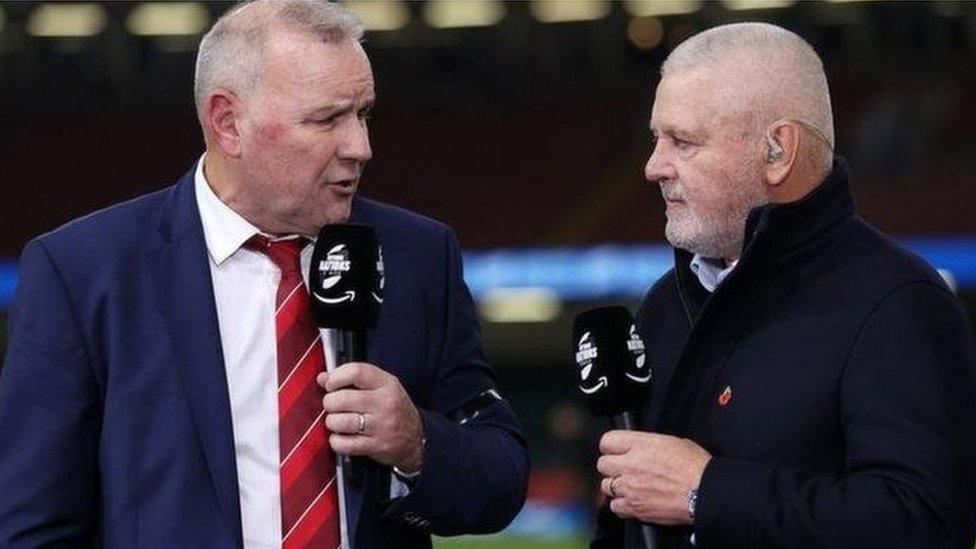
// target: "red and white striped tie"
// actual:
[[309, 495]]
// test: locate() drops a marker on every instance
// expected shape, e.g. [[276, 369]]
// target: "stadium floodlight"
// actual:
[[447, 14], [527, 304], [561, 11], [380, 15], [743, 5], [645, 33], [655, 8], [168, 19], [67, 20]]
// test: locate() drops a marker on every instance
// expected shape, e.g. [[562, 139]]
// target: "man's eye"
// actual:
[[326, 120]]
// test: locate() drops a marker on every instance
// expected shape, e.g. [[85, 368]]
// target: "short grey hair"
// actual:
[[231, 53], [780, 76]]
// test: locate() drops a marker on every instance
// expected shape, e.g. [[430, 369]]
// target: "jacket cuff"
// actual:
[[730, 503], [419, 506]]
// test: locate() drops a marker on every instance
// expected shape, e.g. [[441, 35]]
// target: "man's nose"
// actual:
[[658, 166], [356, 143]]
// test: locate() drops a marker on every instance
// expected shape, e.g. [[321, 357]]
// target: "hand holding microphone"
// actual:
[[647, 476], [367, 410], [370, 414]]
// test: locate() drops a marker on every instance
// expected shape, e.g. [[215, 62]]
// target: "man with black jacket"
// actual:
[[814, 381]]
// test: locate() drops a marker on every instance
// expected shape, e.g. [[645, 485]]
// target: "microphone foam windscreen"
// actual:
[[613, 374], [346, 277]]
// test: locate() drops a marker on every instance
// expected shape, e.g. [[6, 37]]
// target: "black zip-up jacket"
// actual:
[[849, 373]]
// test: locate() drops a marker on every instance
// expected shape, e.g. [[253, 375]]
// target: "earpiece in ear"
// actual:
[[774, 153]]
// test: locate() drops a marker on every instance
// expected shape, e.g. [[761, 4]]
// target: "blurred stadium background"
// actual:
[[524, 125]]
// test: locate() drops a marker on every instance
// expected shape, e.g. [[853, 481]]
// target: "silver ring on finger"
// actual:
[[610, 489], [362, 424]]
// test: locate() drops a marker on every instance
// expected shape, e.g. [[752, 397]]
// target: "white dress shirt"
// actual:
[[245, 283], [711, 272]]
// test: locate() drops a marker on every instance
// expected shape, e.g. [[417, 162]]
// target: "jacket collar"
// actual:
[[776, 233], [776, 230]]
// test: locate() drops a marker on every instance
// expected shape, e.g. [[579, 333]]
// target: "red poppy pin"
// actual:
[[726, 396]]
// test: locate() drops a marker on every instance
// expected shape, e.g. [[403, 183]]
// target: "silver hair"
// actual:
[[778, 76], [231, 53]]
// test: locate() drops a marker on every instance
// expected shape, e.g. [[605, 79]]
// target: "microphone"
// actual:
[[346, 279], [614, 377]]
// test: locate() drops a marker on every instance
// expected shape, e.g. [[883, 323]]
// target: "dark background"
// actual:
[[519, 134]]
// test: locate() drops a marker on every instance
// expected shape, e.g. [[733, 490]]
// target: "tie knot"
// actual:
[[286, 254]]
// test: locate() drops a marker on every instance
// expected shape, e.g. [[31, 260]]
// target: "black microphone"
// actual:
[[614, 376], [346, 279]]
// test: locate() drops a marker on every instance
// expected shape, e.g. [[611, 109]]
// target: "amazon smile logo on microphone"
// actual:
[[636, 347], [347, 276], [611, 361], [381, 273], [586, 353], [331, 269]]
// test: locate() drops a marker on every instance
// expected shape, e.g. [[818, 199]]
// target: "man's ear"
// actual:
[[782, 144], [222, 117]]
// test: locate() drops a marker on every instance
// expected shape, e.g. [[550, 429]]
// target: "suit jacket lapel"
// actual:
[[185, 294]]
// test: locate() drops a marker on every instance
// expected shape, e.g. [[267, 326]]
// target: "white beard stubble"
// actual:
[[716, 234]]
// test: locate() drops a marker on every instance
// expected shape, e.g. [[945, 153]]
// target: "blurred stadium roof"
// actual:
[[125, 57]]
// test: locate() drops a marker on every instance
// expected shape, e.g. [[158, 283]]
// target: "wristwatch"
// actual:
[[692, 502]]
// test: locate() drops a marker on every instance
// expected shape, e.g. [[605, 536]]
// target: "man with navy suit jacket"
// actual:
[[139, 400]]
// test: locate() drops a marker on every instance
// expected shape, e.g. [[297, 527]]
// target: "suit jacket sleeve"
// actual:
[[49, 416], [907, 414], [474, 475]]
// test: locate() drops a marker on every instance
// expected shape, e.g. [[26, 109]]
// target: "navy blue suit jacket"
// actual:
[[114, 411]]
